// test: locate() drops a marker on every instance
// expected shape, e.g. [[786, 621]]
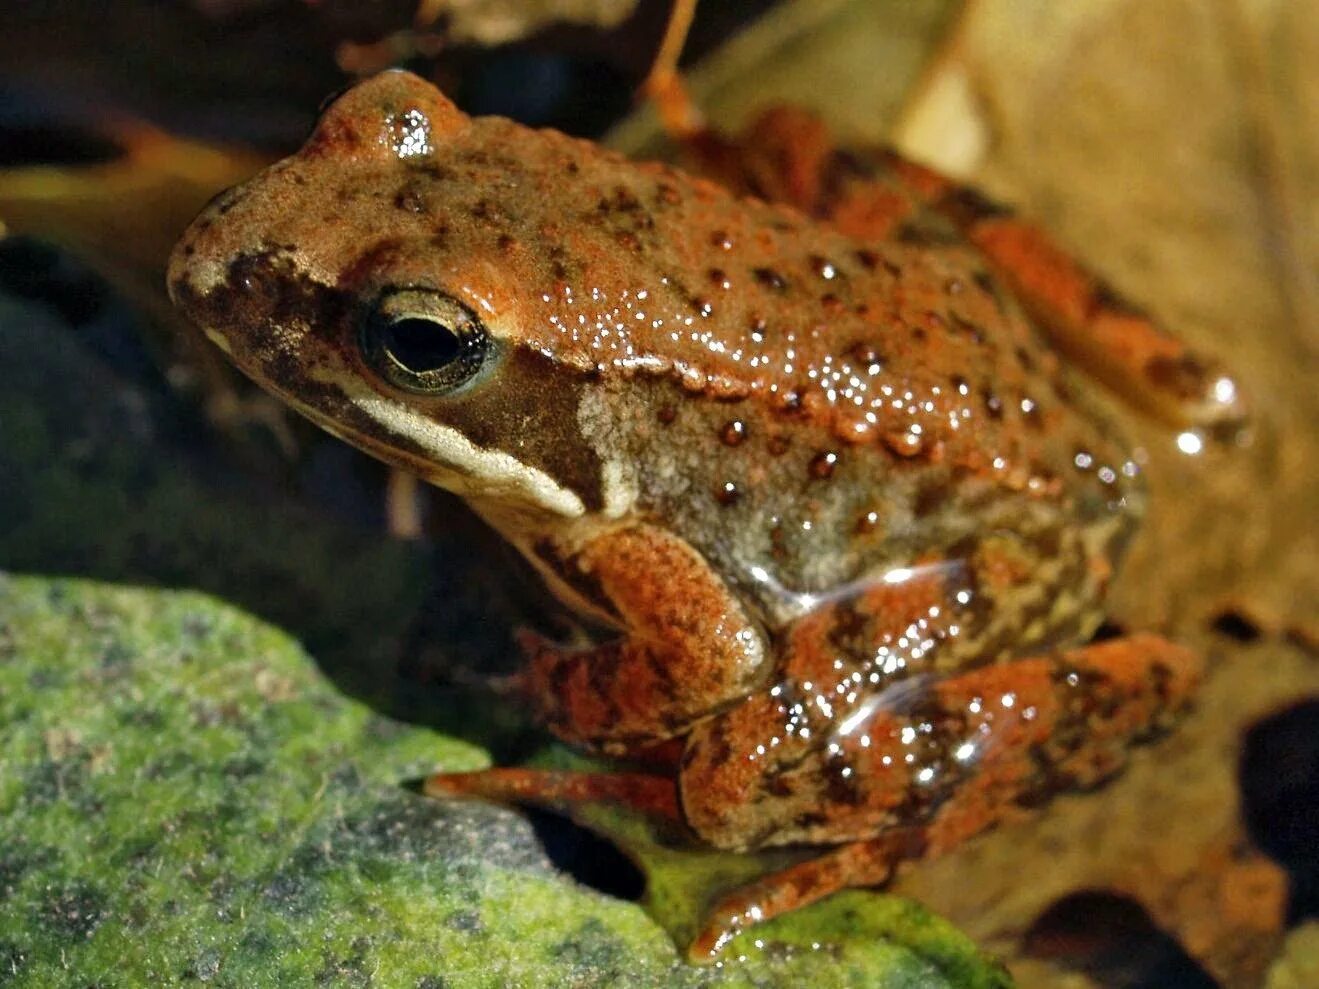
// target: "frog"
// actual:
[[804, 453]]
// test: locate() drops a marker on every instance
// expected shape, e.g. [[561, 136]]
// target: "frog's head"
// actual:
[[379, 281]]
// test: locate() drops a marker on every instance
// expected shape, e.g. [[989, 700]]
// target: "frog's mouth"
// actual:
[[397, 432]]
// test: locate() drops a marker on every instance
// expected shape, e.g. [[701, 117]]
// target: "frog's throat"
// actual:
[[446, 449]]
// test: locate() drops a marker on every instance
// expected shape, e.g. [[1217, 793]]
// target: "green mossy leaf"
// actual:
[[184, 797]]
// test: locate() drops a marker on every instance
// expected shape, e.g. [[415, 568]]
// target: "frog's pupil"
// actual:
[[421, 344]]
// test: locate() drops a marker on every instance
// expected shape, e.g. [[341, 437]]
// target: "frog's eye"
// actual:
[[423, 341]]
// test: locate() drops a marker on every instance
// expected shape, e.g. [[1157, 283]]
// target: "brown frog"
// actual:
[[817, 485]]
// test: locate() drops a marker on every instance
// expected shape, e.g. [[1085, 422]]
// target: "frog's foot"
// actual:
[[688, 648], [921, 772], [862, 863], [644, 792]]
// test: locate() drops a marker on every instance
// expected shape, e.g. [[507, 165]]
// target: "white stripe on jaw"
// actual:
[[219, 339], [494, 470]]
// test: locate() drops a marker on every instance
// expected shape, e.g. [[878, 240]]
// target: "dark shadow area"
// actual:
[[1113, 940], [1108, 630], [1280, 795], [24, 145], [591, 860], [101, 321]]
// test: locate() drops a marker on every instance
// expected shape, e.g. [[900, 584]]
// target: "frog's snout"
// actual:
[[196, 262]]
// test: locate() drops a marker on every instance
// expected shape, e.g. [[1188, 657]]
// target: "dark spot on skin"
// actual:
[[572, 168], [1108, 630], [719, 278], [506, 243], [931, 496], [734, 432], [867, 523], [832, 304], [1025, 358], [923, 233], [968, 328], [667, 414], [702, 306], [625, 200], [225, 201], [868, 259], [993, 405], [865, 353], [433, 171], [770, 279], [1182, 376], [668, 195], [758, 324], [968, 206], [1106, 297], [411, 199], [727, 493], [1236, 626], [822, 465], [777, 445], [986, 282], [721, 240]]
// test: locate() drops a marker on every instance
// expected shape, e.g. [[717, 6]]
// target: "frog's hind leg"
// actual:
[[928, 772], [788, 155], [1114, 340], [649, 794]]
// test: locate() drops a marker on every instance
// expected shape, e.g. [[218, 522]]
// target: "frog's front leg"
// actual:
[[687, 646], [921, 773]]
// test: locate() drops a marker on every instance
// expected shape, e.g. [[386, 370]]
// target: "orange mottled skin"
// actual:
[[837, 515]]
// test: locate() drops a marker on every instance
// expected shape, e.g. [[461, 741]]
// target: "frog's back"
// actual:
[[796, 401]]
